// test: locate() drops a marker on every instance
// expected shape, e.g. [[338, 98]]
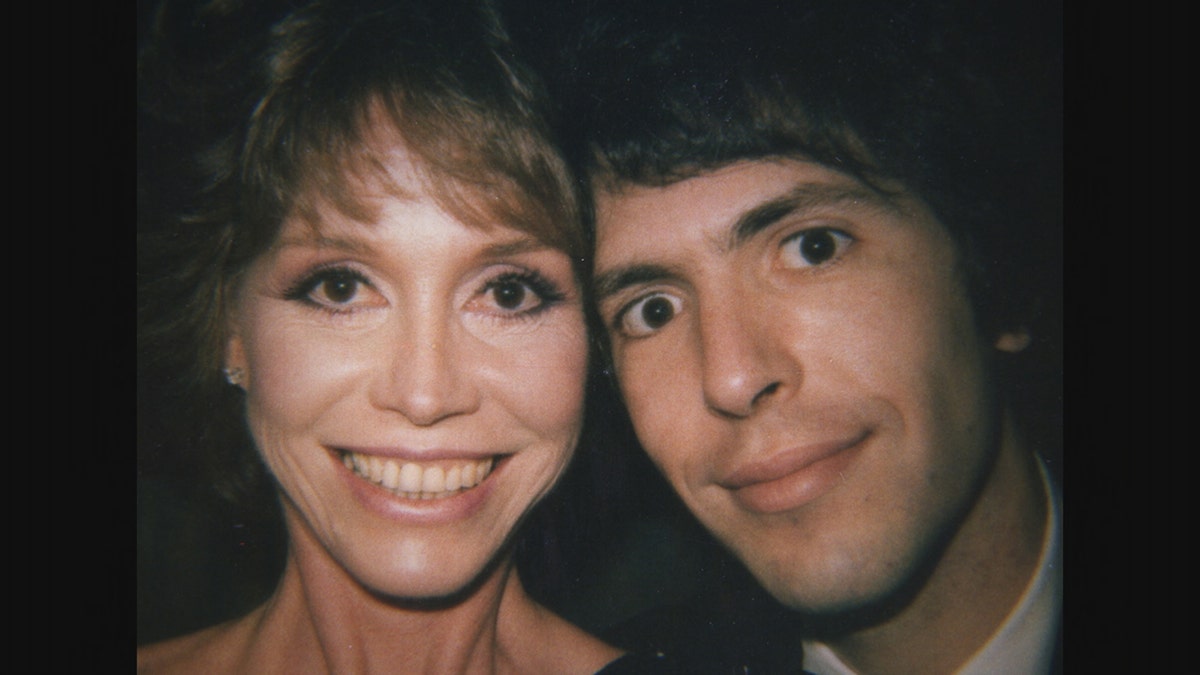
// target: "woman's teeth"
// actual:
[[419, 481]]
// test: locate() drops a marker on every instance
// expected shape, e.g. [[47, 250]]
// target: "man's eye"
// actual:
[[814, 247], [648, 314]]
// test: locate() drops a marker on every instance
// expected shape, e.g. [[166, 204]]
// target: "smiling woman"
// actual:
[[370, 256], [380, 359]]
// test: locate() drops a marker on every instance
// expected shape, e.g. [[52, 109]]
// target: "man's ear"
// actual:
[[1014, 341]]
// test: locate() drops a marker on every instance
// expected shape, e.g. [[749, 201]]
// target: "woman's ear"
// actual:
[[235, 361], [1013, 341]]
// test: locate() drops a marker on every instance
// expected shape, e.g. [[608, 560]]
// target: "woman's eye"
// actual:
[[648, 314], [510, 295], [814, 247], [338, 289], [520, 294]]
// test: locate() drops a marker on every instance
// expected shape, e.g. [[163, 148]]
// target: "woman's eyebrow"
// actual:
[[525, 244], [323, 241], [799, 200], [515, 246]]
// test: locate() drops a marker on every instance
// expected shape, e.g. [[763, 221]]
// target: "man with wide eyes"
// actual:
[[822, 239]]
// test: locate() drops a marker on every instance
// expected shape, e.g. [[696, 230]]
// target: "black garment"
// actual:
[[641, 664], [732, 635], [638, 663]]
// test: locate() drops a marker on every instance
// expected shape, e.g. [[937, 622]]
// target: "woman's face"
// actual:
[[415, 385]]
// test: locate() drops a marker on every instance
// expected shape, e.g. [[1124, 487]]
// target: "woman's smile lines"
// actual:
[[419, 480]]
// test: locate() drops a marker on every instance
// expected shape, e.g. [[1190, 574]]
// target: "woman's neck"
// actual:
[[320, 620]]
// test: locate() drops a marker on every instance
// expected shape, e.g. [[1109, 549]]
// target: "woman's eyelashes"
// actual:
[[814, 247], [522, 293], [336, 289], [510, 294]]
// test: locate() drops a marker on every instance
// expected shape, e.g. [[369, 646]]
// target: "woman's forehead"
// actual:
[[354, 172], [357, 183]]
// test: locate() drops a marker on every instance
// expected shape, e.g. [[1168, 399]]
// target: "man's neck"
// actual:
[[975, 585]]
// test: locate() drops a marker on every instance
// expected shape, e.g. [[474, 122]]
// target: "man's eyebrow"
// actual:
[[614, 281], [801, 198]]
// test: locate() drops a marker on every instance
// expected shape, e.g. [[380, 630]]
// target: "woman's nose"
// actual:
[[426, 373]]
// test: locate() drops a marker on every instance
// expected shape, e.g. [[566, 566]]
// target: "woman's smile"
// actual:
[[411, 479]]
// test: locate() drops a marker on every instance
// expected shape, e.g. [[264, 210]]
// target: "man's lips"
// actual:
[[793, 477]]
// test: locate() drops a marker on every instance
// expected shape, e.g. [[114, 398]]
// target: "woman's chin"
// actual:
[[435, 579]]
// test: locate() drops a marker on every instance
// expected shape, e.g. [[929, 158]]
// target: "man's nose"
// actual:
[[741, 362]]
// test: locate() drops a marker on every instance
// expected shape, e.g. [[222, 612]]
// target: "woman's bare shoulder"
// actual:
[[547, 643], [211, 650]]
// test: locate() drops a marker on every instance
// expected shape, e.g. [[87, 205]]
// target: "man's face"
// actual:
[[800, 360]]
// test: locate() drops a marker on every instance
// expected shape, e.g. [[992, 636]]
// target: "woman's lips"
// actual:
[[794, 477], [419, 479]]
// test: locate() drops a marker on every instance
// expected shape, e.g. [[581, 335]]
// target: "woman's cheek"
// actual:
[[298, 370]]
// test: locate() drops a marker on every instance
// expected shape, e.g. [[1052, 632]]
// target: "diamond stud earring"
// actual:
[[234, 376]]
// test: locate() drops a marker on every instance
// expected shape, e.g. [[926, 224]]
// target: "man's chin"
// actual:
[[837, 607]]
